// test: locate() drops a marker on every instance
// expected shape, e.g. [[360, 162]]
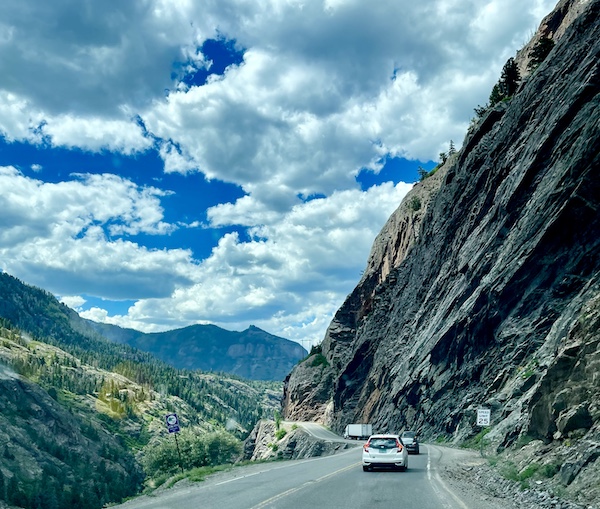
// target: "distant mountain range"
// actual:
[[252, 353]]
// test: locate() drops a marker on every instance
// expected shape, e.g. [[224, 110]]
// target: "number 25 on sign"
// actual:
[[483, 416]]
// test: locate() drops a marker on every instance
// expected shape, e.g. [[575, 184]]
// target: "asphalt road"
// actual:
[[329, 482]]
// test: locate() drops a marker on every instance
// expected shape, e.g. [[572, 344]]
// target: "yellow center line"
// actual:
[[284, 494]]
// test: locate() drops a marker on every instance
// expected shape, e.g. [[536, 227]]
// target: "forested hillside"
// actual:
[[80, 415], [39, 314]]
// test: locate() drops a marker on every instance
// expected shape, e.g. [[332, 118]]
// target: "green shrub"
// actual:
[[527, 474], [197, 450], [277, 418], [530, 369], [476, 441], [529, 471], [319, 360], [221, 448], [280, 433], [200, 473], [315, 349], [160, 459], [509, 471], [549, 470], [316, 354], [539, 52], [523, 440], [415, 203]]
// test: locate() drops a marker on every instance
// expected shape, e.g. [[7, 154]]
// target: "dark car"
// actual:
[[410, 441]]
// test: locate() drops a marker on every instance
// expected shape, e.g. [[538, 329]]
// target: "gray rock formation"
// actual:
[[263, 444], [492, 296]]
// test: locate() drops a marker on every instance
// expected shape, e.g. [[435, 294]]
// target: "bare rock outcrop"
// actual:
[[307, 390], [401, 230], [295, 443], [552, 27], [493, 298]]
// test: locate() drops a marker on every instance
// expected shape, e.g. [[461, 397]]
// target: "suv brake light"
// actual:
[[399, 445]]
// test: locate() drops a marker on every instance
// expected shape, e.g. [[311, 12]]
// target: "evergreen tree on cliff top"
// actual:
[[540, 52], [510, 78]]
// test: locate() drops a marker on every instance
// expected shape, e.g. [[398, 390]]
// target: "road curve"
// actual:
[[320, 432], [330, 482]]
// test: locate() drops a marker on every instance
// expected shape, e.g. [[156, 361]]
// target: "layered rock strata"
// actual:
[[492, 296]]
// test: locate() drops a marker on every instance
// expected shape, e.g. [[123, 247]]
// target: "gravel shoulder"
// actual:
[[477, 484]]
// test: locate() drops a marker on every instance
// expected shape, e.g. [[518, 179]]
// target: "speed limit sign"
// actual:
[[483, 416]]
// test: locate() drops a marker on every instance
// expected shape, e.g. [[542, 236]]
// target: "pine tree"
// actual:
[[480, 110], [495, 96], [510, 78], [539, 52]]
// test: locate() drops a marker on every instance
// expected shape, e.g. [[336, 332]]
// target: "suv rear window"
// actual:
[[383, 443], [408, 434]]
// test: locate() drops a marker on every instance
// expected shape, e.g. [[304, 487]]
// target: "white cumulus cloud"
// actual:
[[324, 91]]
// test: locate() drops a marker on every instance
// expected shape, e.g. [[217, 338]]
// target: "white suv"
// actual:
[[384, 451]]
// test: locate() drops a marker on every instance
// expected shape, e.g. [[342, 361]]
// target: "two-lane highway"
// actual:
[[330, 482]]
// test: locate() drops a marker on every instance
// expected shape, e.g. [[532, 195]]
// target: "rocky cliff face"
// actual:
[[553, 27], [492, 296], [307, 394], [265, 444]]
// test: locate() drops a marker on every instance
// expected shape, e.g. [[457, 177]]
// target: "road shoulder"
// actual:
[[477, 484]]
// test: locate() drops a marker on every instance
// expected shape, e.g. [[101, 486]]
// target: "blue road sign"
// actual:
[[172, 423]]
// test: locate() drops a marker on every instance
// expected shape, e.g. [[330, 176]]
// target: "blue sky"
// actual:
[[164, 163]]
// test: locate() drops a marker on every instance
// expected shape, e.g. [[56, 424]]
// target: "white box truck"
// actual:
[[358, 431]]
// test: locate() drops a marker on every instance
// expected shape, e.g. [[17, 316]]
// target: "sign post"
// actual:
[[484, 416], [173, 427]]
